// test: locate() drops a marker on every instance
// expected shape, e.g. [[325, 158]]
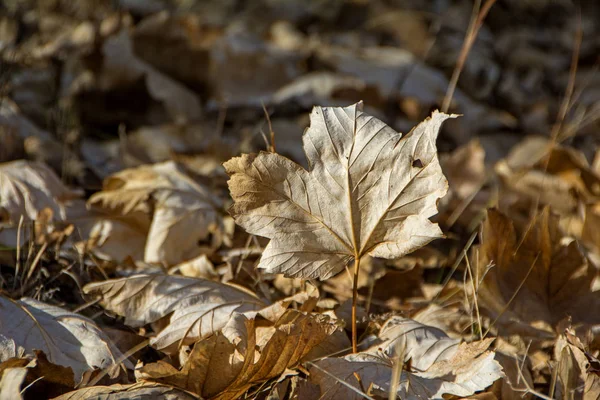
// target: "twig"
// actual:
[[474, 26], [349, 386], [566, 103], [354, 301], [513, 296], [456, 264]]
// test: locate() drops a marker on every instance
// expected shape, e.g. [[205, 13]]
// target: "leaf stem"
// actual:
[[354, 301]]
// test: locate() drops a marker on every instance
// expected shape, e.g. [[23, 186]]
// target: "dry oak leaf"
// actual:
[[534, 263], [198, 307], [140, 390], [368, 190], [227, 364], [439, 365], [180, 211], [67, 339]]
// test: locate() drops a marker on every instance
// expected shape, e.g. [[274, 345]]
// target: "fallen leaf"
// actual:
[[438, 365], [539, 170], [140, 390], [10, 384], [198, 307], [28, 187], [225, 365], [534, 274], [50, 379], [423, 345], [369, 190], [471, 369], [121, 65], [67, 339], [578, 376], [181, 212]]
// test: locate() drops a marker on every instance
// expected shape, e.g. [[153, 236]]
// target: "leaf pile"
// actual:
[[187, 186]]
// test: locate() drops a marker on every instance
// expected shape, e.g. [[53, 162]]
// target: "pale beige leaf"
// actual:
[[27, 187], [67, 339], [141, 390], [423, 345], [369, 190], [182, 212], [198, 307], [439, 366], [10, 384], [113, 239]]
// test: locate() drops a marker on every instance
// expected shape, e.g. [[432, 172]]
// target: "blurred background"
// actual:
[[92, 87]]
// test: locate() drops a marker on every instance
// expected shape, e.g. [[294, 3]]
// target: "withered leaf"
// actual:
[[552, 280], [28, 187], [225, 365], [67, 339], [368, 190], [180, 211], [141, 390], [439, 365], [199, 307]]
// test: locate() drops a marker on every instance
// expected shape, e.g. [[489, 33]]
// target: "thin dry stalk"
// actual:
[[474, 26], [271, 145], [566, 103], [354, 301], [456, 264], [397, 370], [18, 267], [33, 266], [475, 302], [513, 296], [124, 357], [341, 382], [565, 106]]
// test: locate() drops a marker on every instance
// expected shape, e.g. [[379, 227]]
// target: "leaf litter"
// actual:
[[168, 230]]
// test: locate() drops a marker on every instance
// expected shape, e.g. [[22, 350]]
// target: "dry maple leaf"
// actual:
[[227, 364], [368, 190], [535, 278], [198, 307], [67, 339], [439, 365]]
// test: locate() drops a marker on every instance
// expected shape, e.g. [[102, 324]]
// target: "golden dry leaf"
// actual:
[[578, 374], [439, 365], [369, 190], [517, 377], [551, 280], [226, 364], [199, 307], [67, 339], [181, 212]]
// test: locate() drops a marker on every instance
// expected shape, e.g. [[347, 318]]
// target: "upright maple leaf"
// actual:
[[368, 190]]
